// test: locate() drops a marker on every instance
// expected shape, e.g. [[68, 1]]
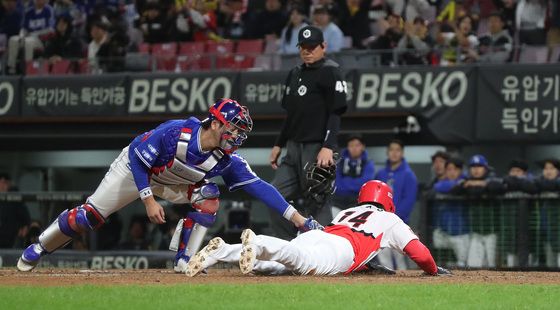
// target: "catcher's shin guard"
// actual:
[[69, 224], [192, 233]]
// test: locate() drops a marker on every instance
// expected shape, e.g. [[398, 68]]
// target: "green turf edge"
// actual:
[[283, 296]]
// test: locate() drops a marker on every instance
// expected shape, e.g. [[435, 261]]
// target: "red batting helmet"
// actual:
[[379, 193]]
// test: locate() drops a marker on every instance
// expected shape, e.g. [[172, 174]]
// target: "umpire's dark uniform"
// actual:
[[314, 100]]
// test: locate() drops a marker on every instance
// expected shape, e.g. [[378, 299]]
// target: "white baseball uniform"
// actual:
[[354, 237]]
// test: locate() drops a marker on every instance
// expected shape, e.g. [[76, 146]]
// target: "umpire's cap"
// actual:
[[310, 35]]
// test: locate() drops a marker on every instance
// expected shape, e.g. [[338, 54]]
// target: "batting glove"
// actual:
[[443, 272], [310, 224]]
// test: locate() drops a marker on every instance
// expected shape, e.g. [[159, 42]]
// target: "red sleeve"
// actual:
[[420, 254]]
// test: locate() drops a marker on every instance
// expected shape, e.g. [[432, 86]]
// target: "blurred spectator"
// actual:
[[112, 53], [38, 23], [548, 215], [390, 38], [518, 178], [332, 6], [269, 21], [415, 46], [74, 9], [458, 42], [439, 162], [417, 8], [480, 10], [395, 7], [481, 179], [530, 21], [195, 23], [10, 18], [482, 248], [508, 9], [137, 234], [304, 5], [14, 217], [63, 44], [332, 34], [549, 181], [289, 37], [401, 178], [496, 46], [99, 36], [154, 24], [354, 21], [452, 178], [450, 218], [232, 19], [106, 50], [352, 171]]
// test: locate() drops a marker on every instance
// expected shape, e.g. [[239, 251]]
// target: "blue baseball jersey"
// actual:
[[38, 20], [155, 152]]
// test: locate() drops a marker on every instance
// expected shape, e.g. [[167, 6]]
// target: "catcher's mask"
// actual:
[[319, 181]]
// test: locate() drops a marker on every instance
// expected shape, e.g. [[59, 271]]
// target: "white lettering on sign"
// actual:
[[411, 90]]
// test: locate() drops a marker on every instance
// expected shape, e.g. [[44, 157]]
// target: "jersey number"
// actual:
[[358, 219], [341, 87]]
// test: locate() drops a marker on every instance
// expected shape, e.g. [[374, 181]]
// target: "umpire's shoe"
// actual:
[[30, 257], [248, 251], [204, 258]]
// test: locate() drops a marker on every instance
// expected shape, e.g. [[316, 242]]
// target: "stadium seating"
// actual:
[[533, 54], [61, 67], [36, 67], [165, 56], [191, 55]]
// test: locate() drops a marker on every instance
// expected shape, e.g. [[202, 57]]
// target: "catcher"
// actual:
[[354, 237]]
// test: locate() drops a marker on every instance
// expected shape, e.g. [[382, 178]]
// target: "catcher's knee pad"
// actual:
[[205, 197], [69, 224], [80, 219]]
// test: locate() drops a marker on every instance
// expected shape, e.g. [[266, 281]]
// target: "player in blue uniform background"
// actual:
[[173, 161]]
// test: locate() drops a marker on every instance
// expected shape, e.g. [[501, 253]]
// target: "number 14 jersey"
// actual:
[[370, 229]]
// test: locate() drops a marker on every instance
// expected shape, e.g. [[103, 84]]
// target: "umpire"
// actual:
[[314, 100]]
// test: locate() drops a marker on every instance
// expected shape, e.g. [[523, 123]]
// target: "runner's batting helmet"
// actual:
[[379, 193]]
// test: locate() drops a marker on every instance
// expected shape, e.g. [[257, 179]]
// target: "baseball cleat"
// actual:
[[204, 258], [248, 251], [30, 257]]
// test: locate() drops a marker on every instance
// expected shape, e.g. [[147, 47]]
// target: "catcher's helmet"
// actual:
[[234, 116], [379, 193], [320, 181]]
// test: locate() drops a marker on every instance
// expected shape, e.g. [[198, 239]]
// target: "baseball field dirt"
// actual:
[[66, 277]]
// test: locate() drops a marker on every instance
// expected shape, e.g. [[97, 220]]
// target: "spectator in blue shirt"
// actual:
[[353, 169], [289, 36], [38, 23], [401, 178], [332, 34], [449, 217]]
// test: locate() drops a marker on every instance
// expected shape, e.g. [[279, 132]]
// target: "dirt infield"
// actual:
[[66, 277]]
